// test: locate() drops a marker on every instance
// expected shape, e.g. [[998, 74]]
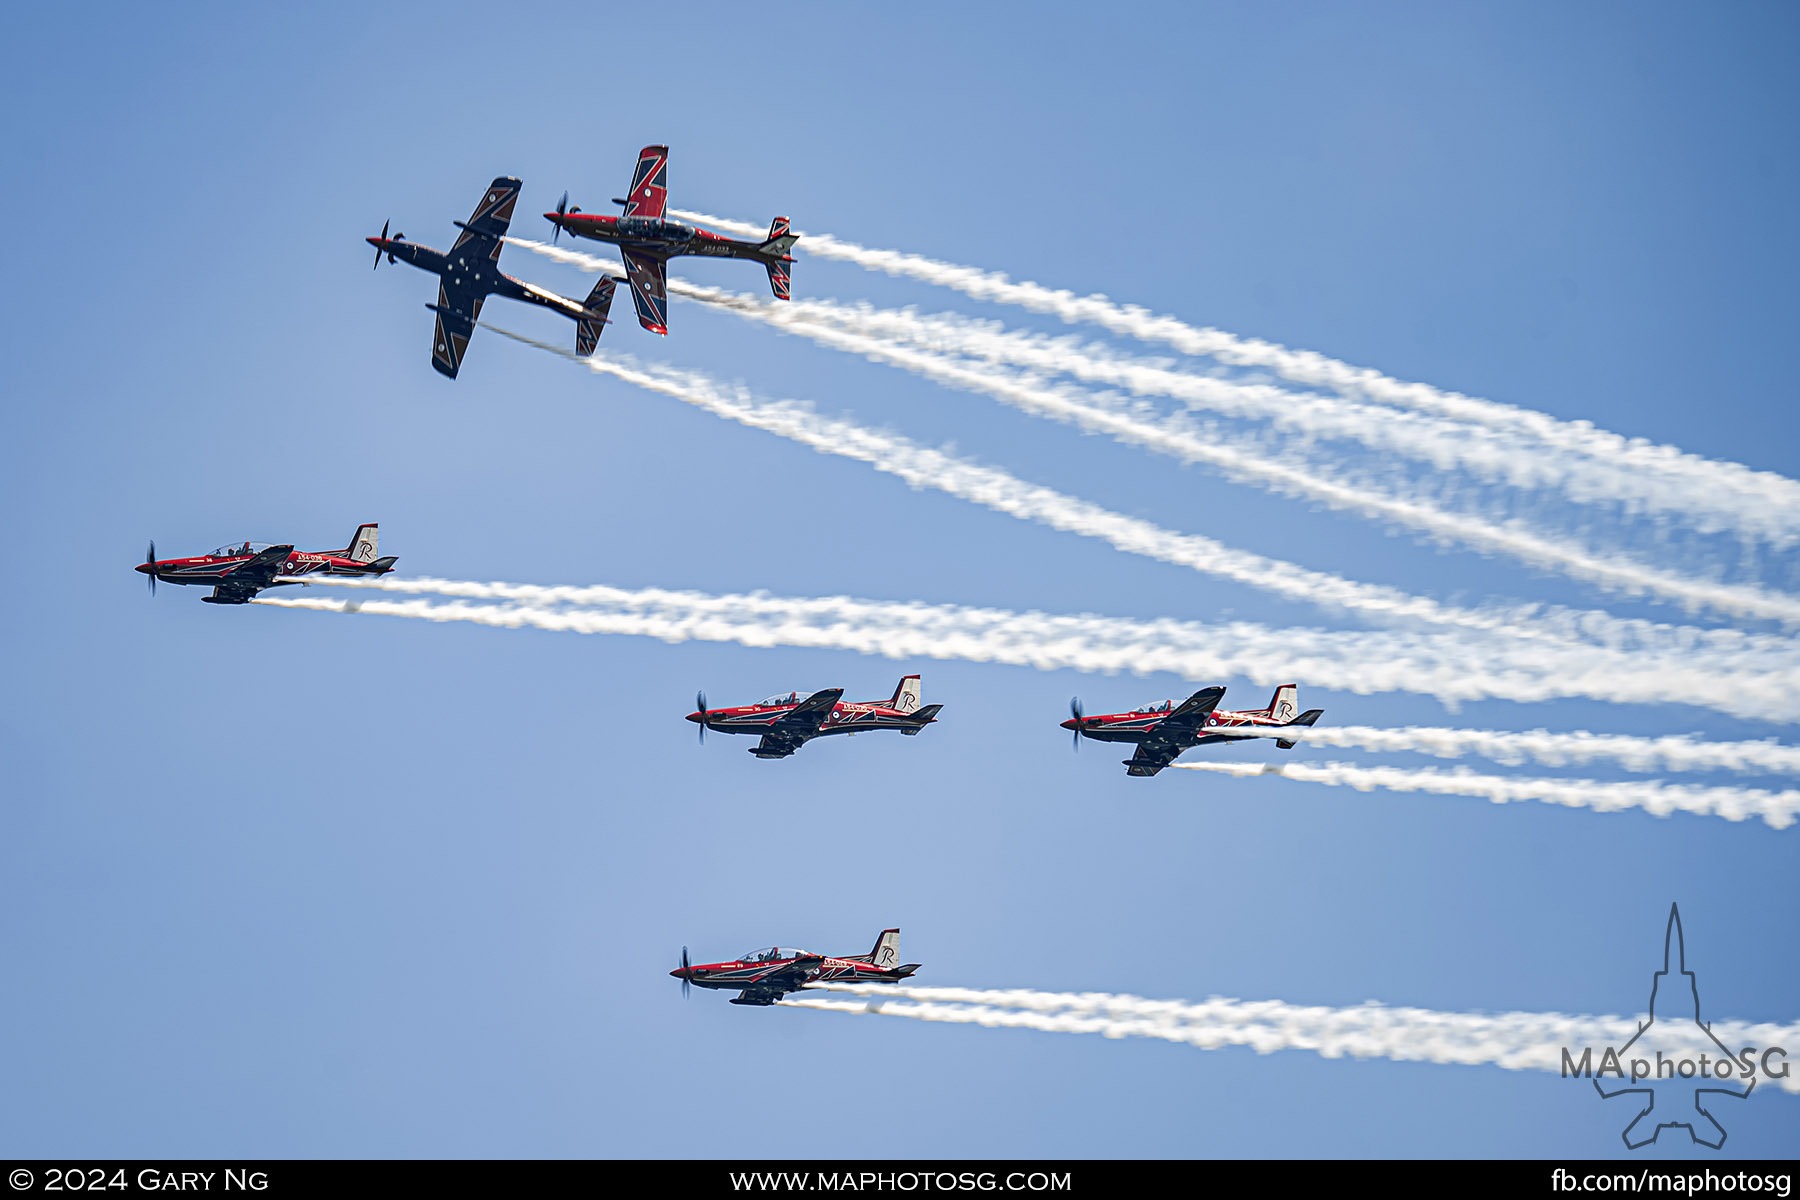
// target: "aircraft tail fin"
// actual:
[[362, 547], [589, 326], [1305, 718], [777, 259], [886, 953], [1284, 704], [921, 719], [906, 696]]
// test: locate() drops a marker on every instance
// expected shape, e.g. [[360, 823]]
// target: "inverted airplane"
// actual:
[[1164, 729], [789, 720], [765, 976], [239, 570], [471, 273], [647, 239]]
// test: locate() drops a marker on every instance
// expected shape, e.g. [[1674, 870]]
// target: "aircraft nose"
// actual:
[[680, 972], [373, 241], [145, 568], [696, 717], [1071, 723], [555, 218]]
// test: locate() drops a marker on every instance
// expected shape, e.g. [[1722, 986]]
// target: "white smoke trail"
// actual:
[[995, 489], [1673, 752], [1141, 426], [1491, 455], [1514, 1041], [1750, 489], [1777, 809], [1451, 667]]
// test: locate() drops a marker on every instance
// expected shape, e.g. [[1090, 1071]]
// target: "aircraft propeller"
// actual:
[[1075, 711], [686, 966], [700, 705], [379, 250], [562, 210], [150, 561]]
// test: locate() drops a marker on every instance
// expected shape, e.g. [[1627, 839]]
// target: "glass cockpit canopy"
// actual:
[[654, 229], [231, 548], [780, 698], [1155, 706], [773, 954]]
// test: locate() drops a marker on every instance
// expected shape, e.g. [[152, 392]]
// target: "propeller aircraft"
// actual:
[[647, 239], [239, 570], [788, 720], [471, 273], [1164, 729], [764, 976]]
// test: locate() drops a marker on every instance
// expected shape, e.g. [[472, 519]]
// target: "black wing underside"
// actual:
[[457, 309], [252, 576], [1174, 733], [798, 725], [789, 977], [649, 278]]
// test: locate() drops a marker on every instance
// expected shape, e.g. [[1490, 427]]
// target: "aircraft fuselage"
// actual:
[[656, 237], [471, 267]]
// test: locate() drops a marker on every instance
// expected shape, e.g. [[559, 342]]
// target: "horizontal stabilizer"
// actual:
[[1305, 718], [923, 717], [781, 279], [594, 320], [780, 240]]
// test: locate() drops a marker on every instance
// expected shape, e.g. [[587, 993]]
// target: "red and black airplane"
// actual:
[[789, 720], [1164, 729], [471, 273], [765, 976], [241, 569], [647, 239]]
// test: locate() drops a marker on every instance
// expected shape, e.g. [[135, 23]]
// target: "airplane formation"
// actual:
[[468, 273]]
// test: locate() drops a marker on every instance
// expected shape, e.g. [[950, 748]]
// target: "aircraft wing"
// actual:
[[1174, 733], [1152, 757], [769, 987], [798, 725], [810, 713], [492, 216], [649, 278], [458, 307], [259, 569], [1189, 715], [649, 193]]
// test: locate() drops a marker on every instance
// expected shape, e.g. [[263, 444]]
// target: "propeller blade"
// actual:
[[686, 966], [384, 229], [1075, 711], [562, 210], [700, 704], [150, 561]]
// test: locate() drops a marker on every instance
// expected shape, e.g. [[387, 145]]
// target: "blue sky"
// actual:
[[283, 883]]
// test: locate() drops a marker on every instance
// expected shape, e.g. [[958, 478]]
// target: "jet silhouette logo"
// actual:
[[1673, 1064]]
